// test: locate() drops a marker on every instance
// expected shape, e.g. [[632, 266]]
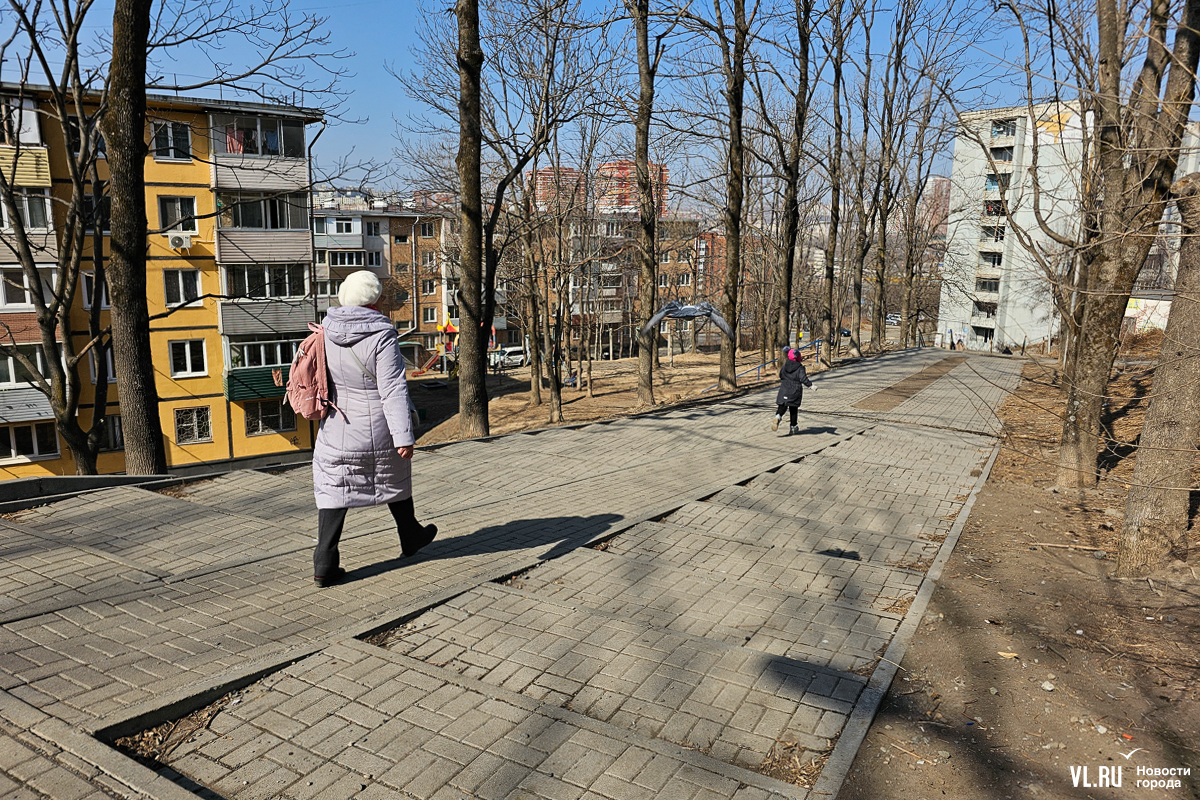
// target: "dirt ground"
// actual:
[[1031, 663], [685, 377]]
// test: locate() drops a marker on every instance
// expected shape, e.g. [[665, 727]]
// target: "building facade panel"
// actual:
[[261, 247], [268, 319], [259, 173]]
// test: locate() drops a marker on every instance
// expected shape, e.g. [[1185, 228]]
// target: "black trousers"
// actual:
[[330, 521], [792, 410]]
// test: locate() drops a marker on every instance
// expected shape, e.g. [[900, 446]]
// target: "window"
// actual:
[[663, 280], [15, 289], [321, 257], [1002, 155], [257, 211], [319, 225], [181, 286], [114, 436], [92, 128], [990, 260], [93, 212], [258, 136], [985, 310], [266, 281], [268, 416], [110, 371], [994, 208], [328, 288], [374, 258], [33, 207], [187, 359], [426, 230], [993, 233], [343, 225], [683, 279], [1004, 127], [247, 355], [177, 214], [429, 315], [31, 440], [172, 140], [428, 258], [664, 257], [346, 258], [996, 183], [14, 373], [400, 238], [370, 229], [19, 121], [193, 425], [428, 287], [89, 286], [987, 284]]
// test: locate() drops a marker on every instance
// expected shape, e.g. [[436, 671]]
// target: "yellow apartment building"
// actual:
[[231, 285]]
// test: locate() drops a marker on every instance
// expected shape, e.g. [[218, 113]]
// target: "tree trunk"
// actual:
[[647, 207], [124, 127], [735, 88], [472, 387], [1156, 510]]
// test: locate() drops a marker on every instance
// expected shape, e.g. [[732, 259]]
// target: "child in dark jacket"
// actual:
[[791, 390]]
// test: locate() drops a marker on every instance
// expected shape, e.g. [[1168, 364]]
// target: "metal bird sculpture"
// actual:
[[677, 310]]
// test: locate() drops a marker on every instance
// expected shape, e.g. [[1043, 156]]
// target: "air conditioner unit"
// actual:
[[179, 241]]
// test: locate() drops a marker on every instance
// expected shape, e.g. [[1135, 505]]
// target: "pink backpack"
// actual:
[[308, 380]]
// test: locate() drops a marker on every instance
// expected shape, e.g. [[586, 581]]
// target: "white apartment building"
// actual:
[[994, 292]]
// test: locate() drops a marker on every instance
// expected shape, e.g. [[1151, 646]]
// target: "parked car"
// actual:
[[507, 357], [892, 319]]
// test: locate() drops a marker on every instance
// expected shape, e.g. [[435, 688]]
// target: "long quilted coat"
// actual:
[[355, 462]]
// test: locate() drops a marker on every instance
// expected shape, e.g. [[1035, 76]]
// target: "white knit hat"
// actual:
[[360, 288]]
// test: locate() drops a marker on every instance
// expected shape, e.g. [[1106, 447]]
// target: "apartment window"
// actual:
[[318, 225], [268, 416], [114, 436], [89, 287], [110, 371], [75, 138], [664, 257], [321, 257], [987, 284], [370, 228], [31, 440], [346, 258], [429, 315], [266, 281], [187, 359], [246, 355], [328, 288], [258, 211], [994, 208], [400, 238], [374, 258], [428, 287], [181, 286], [426, 230], [33, 207], [94, 212], [428, 258], [177, 214], [193, 425], [14, 373], [1004, 127], [663, 280], [258, 136], [990, 260], [15, 289], [1002, 155], [18, 121], [994, 233], [343, 225], [996, 183], [985, 310], [683, 279], [172, 141]]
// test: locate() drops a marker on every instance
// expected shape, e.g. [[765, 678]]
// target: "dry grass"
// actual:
[[790, 763]]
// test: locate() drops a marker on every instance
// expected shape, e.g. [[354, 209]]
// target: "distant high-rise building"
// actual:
[[617, 191]]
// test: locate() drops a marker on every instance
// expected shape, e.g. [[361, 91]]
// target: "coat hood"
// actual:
[[348, 325], [793, 367]]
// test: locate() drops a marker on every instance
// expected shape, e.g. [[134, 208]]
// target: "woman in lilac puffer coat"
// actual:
[[364, 450]]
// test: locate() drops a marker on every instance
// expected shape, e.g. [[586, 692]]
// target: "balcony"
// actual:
[[254, 384], [242, 246], [338, 241], [266, 317], [32, 168], [265, 173]]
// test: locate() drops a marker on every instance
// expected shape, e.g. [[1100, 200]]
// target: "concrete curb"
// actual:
[[837, 768]]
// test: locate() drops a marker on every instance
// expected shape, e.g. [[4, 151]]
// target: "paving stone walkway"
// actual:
[[683, 604]]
